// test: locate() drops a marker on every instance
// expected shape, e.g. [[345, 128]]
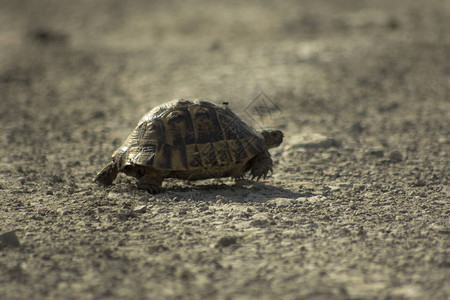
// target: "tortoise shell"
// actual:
[[188, 135]]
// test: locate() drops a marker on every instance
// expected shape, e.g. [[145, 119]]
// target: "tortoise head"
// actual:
[[273, 138]]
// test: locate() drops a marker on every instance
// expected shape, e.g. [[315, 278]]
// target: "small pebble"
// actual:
[[226, 241], [376, 153], [9, 239], [220, 199], [357, 127], [140, 209], [420, 182], [396, 156], [259, 223]]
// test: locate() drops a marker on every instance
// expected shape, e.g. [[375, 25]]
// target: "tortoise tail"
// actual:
[[107, 175]]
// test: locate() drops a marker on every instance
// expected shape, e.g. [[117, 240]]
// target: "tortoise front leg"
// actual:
[[261, 165], [107, 175]]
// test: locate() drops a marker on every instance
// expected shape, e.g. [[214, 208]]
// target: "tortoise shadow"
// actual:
[[241, 191]]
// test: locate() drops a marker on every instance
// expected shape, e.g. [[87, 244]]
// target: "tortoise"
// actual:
[[191, 140]]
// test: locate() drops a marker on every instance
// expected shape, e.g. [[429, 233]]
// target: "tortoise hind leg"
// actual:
[[107, 175], [150, 183], [261, 165]]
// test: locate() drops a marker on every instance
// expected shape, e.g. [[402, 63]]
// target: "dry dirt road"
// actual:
[[357, 207]]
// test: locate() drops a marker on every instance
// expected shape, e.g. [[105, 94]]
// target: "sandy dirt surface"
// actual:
[[357, 207]]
